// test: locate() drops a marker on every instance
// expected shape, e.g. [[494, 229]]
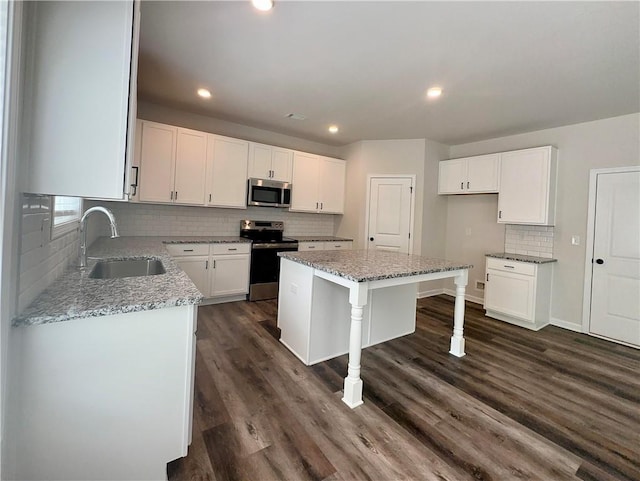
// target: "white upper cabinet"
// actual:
[[80, 97], [157, 162], [269, 162], [191, 162], [318, 184], [470, 175], [172, 164], [528, 186], [227, 172]]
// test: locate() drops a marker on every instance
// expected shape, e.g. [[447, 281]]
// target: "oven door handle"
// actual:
[[276, 245]]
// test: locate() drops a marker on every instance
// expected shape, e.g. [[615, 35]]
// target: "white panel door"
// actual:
[[191, 162], [304, 193], [260, 161], [390, 213], [452, 175], [157, 162], [483, 173], [511, 294], [230, 275], [615, 295], [197, 268], [281, 164], [227, 172], [331, 189]]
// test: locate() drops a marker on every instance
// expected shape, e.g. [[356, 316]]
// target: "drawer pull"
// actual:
[[233, 249], [487, 277], [312, 247], [510, 267], [187, 250]]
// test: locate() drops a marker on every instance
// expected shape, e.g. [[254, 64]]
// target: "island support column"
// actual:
[[457, 340], [358, 294]]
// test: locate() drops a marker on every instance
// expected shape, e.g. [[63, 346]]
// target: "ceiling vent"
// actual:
[[295, 116]]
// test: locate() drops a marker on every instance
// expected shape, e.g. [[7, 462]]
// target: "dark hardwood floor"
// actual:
[[551, 405]]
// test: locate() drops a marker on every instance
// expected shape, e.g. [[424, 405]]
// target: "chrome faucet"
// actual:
[[83, 230]]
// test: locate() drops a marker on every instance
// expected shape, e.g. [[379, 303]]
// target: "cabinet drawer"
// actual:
[[338, 245], [525, 268], [311, 246], [181, 250], [231, 248]]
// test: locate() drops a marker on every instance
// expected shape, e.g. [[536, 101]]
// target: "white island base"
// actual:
[[315, 307]]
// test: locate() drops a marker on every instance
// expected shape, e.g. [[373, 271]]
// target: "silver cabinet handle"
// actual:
[[176, 195], [206, 264], [209, 197], [312, 247], [214, 264], [468, 184], [187, 250], [461, 185], [487, 277], [499, 214], [171, 195], [321, 205], [232, 249], [317, 205], [510, 267]]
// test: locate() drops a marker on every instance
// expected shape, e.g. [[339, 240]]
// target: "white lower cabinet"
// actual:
[[325, 245], [219, 271], [518, 292]]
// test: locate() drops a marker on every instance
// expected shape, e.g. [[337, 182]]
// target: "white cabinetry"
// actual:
[[172, 164], [230, 269], [325, 245], [269, 162], [470, 175], [318, 184], [518, 292], [219, 271], [81, 99], [227, 172], [528, 186]]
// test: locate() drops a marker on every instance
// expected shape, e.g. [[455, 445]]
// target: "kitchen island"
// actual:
[[320, 291]]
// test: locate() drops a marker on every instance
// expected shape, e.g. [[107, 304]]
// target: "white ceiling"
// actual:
[[505, 67]]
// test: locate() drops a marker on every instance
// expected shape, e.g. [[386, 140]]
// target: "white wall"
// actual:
[[613, 142], [380, 157]]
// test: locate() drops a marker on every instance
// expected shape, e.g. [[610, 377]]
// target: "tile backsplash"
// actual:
[[531, 240], [42, 259], [172, 220]]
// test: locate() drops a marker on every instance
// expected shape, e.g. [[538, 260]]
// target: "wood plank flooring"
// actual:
[[550, 405]]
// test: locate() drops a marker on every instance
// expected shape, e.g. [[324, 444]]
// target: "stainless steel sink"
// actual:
[[115, 269]]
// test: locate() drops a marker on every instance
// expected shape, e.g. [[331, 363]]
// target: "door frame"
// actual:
[[412, 208], [591, 226]]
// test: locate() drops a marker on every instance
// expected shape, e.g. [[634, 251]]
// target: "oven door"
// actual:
[[265, 270]]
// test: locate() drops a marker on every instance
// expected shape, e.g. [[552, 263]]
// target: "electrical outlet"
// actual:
[[479, 286]]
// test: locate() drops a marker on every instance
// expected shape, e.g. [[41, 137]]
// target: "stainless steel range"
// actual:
[[267, 241]]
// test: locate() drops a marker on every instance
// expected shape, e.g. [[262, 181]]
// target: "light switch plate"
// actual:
[[575, 240]]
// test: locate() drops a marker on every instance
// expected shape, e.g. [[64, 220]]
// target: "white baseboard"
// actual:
[[571, 326], [430, 293], [467, 297]]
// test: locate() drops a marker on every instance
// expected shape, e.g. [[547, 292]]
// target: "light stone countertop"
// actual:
[[206, 240], [318, 238], [74, 295], [370, 265], [522, 258]]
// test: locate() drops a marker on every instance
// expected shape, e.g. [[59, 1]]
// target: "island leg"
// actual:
[[457, 340], [353, 383]]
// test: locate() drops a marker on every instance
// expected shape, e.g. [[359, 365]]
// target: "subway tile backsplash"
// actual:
[[42, 259], [530, 240], [172, 220]]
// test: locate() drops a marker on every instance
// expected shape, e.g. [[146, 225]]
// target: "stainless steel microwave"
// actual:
[[269, 193]]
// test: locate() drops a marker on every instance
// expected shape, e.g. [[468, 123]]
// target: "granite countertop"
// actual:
[[370, 265], [206, 240], [75, 296], [522, 258], [318, 238]]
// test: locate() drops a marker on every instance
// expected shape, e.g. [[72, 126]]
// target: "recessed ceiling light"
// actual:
[[434, 92], [333, 129], [263, 5], [204, 93]]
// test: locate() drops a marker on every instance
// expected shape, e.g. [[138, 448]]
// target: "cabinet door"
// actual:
[[157, 162], [304, 195], [281, 164], [80, 62], [482, 173], [260, 161], [510, 294], [227, 172], [196, 267], [332, 183], [230, 275], [191, 161], [525, 187], [452, 175]]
